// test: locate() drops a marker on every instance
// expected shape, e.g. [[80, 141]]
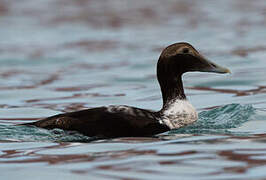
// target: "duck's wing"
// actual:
[[101, 122]]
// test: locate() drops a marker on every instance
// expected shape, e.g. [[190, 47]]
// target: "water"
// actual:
[[60, 56]]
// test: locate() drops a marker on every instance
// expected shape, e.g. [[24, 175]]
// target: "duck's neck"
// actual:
[[172, 90]]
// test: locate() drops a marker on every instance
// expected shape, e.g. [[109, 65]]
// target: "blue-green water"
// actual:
[[59, 56]]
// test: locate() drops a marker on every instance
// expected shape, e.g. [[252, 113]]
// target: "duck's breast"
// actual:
[[178, 114]]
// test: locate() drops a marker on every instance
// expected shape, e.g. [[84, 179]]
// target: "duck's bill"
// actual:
[[212, 67], [217, 69]]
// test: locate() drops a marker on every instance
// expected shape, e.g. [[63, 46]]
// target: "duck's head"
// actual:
[[182, 57], [177, 59]]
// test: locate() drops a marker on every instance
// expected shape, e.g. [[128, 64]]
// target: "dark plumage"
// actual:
[[121, 121]]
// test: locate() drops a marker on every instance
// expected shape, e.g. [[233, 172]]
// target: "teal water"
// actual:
[[60, 56]]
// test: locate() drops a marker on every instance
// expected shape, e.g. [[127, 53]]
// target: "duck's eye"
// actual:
[[185, 50]]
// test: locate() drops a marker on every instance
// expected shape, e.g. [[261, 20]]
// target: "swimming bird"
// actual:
[[125, 121]]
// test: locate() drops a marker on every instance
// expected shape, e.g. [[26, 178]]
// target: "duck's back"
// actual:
[[111, 121]]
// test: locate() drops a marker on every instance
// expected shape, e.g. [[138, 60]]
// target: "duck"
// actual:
[[125, 121]]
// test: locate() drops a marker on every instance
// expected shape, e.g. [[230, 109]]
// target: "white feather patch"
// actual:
[[178, 114]]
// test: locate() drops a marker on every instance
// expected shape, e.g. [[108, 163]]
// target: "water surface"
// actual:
[[60, 56]]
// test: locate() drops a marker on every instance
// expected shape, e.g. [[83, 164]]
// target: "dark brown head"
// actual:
[[183, 57], [177, 59]]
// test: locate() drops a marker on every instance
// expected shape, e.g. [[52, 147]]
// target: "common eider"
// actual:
[[125, 121]]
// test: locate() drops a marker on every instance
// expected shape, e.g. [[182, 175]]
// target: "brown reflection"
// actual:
[[54, 76], [78, 95], [245, 51], [103, 66], [256, 138], [16, 119], [209, 108], [244, 157], [65, 107], [7, 106], [258, 90], [151, 98], [73, 107], [135, 139], [129, 14], [3, 7], [54, 159], [49, 80], [16, 87], [180, 153], [238, 170], [32, 156], [10, 73], [80, 88], [92, 45]]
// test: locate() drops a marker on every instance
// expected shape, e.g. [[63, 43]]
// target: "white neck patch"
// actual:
[[178, 114]]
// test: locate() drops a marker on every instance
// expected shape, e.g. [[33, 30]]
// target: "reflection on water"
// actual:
[[207, 157], [60, 56]]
